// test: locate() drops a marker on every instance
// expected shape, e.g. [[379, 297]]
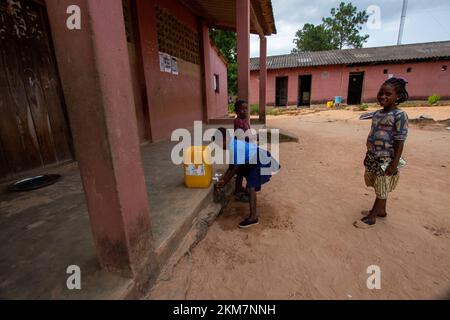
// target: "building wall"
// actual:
[[138, 94], [425, 79], [219, 108], [175, 101]]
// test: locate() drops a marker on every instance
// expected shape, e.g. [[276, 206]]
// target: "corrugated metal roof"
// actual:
[[390, 54]]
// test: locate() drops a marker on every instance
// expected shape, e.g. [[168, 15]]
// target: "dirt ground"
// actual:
[[306, 246]]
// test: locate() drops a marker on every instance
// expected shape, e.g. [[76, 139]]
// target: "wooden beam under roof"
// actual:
[[254, 21]]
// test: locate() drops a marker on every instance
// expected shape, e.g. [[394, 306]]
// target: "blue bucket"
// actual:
[[337, 100]]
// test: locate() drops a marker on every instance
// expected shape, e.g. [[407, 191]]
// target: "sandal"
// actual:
[[367, 212], [364, 223], [247, 223]]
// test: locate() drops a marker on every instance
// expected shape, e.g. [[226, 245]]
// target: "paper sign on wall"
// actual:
[[161, 62], [174, 66], [167, 63]]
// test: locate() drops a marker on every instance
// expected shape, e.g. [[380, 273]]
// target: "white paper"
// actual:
[[161, 62], [167, 63], [174, 66]]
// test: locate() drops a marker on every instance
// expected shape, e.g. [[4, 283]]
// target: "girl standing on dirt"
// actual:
[[385, 147]]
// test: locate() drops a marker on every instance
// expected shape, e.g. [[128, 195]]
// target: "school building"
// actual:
[[355, 75], [101, 85]]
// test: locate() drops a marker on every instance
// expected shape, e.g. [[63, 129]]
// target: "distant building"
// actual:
[[354, 74]]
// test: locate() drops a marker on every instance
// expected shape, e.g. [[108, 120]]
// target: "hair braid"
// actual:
[[400, 86]]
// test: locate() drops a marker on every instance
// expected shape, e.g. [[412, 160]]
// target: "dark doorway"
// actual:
[[355, 88], [304, 91], [281, 91], [34, 130]]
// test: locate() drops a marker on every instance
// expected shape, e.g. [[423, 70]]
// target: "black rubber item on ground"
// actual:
[[34, 183]]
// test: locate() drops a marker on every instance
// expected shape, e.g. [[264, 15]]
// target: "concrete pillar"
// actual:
[[262, 79], [95, 74], [243, 48], [207, 76]]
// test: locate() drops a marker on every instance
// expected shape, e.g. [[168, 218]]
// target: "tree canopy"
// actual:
[[340, 30], [313, 38]]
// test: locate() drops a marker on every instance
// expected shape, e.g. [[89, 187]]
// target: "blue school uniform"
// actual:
[[255, 164]]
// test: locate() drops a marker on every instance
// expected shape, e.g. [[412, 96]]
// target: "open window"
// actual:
[[216, 83]]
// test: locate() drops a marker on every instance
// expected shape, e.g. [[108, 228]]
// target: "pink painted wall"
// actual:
[[138, 92], [425, 79], [174, 101], [219, 99]]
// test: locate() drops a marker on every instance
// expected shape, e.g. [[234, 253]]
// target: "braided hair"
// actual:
[[400, 87]]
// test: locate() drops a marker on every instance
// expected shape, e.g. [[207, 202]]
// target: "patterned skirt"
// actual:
[[375, 176]]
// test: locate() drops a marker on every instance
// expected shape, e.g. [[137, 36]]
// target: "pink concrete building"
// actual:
[[355, 75], [92, 80]]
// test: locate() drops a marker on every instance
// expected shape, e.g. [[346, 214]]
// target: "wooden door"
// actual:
[[304, 91], [281, 89], [355, 88], [33, 123]]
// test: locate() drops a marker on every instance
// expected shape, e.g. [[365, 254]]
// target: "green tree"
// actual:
[[345, 24], [313, 38], [226, 42]]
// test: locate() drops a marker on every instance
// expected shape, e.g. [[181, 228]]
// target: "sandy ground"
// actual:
[[306, 246]]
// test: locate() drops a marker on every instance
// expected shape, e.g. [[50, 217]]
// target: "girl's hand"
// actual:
[[391, 169]]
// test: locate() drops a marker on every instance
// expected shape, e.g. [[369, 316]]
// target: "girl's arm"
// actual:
[[400, 134], [398, 150], [231, 172]]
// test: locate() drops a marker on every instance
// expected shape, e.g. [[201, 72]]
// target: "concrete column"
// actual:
[[262, 79], [208, 90], [243, 48], [95, 73]]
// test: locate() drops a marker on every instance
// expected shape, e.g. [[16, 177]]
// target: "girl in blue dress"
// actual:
[[256, 165]]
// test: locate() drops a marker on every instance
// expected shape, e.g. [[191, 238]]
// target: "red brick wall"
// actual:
[[425, 79]]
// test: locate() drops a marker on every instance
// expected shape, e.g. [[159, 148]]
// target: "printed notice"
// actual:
[[167, 63], [174, 66], [161, 62]]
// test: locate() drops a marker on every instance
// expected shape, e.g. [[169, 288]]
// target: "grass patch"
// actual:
[[363, 107], [434, 99], [254, 109]]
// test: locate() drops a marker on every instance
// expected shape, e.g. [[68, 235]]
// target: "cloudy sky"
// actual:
[[426, 21]]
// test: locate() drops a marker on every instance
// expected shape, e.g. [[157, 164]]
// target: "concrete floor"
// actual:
[[44, 231]]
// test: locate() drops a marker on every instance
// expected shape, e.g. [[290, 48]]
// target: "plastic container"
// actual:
[[330, 104], [197, 167], [337, 100]]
